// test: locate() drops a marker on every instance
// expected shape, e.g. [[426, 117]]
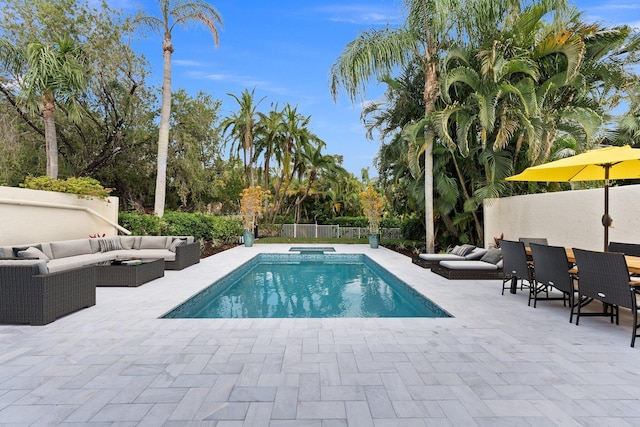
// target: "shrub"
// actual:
[[349, 221], [84, 187], [187, 224], [225, 229], [413, 229], [140, 224], [372, 204], [201, 226], [391, 223]]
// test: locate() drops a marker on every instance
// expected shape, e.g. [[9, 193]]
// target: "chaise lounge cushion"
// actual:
[[470, 265], [477, 253]]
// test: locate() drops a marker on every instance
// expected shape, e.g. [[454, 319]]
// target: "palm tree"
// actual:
[[269, 138], [243, 129], [47, 75], [377, 53], [178, 12]]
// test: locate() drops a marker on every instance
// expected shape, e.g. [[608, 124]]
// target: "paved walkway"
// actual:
[[496, 363]]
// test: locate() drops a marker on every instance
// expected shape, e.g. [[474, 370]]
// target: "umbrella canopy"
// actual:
[[594, 165]]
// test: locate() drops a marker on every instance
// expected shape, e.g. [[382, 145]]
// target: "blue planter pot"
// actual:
[[248, 238], [374, 240]]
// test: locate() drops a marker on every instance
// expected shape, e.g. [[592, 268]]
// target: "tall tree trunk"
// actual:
[[430, 94], [51, 143], [163, 136]]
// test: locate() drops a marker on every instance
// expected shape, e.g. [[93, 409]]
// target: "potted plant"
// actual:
[[252, 204], [372, 204]]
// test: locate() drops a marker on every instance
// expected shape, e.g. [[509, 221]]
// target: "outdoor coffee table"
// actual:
[[118, 274]]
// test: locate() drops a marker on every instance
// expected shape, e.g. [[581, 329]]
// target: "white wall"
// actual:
[[21, 223], [566, 218]]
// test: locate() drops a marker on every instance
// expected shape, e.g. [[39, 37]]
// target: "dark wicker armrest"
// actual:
[[29, 297], [186, 255]]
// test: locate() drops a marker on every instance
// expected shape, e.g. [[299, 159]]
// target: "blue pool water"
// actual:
[[308, 286]]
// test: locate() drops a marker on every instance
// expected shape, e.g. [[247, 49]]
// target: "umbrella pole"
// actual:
[[606, 219]]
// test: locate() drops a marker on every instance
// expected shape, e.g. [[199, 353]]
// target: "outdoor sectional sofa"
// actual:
[[178, 252], [40, 282]]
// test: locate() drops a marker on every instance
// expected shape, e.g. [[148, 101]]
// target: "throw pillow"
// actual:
[[110, 244], [17, 249], [154, 242], [493, 256], [127, 242], [176, 243], [32, 252], [463, 250]]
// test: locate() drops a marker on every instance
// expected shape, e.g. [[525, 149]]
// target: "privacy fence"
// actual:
[[334, 232]]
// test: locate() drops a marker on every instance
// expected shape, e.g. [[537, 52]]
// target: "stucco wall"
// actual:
[[567, 218], [28, 224]]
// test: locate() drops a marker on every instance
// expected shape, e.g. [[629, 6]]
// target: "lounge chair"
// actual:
[[458, 253], [488, 267]]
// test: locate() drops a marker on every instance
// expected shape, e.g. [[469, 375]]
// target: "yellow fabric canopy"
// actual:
[[594, 165], [621, 162]]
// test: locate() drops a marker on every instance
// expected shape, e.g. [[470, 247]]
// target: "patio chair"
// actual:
[[529, 240], [516, 266], [552, 270], [630, 249], [604, 276]]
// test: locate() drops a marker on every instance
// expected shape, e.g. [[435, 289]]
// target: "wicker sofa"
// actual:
[[29, 296], [178, 252], [40, 282]]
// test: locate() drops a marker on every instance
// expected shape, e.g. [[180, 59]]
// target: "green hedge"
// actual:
[[413, 229], [84, 187], [362, 221], [201, 226]]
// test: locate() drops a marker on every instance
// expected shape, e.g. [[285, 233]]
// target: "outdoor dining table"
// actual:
[[633, 262]]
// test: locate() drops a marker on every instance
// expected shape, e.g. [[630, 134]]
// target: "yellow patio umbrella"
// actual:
[[602, 164]]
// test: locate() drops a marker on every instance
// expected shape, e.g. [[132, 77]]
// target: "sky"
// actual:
[[284, 50]]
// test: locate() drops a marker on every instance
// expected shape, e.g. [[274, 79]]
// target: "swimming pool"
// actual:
[[308, 285]]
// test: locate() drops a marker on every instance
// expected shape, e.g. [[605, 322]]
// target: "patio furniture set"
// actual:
[[41, 282], [575, 276], [578, 277]]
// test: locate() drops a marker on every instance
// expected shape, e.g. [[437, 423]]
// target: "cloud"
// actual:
[[187, 63], [361, 15]]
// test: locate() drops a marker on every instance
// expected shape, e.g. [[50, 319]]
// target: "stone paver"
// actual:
[[495, 362]]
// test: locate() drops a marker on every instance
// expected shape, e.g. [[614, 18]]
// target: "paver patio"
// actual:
[[497, 362]]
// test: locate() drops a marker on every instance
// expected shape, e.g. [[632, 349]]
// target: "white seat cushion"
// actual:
[[67, 263], [441, 257], [468, 265], [164, 254]]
